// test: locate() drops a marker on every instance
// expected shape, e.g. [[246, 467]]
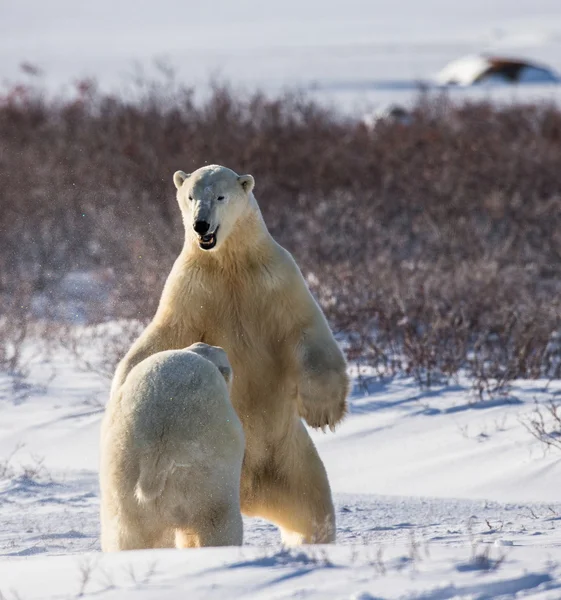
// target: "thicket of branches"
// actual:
[[432, 246]]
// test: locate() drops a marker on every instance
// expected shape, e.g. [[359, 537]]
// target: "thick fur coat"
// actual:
[[171, 454], [233, 286]]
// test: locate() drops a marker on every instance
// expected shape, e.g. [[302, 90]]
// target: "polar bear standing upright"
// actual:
[[172, 448], [233, 286]]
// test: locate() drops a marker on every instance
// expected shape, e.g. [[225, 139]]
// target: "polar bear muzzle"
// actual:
[[208, 240]]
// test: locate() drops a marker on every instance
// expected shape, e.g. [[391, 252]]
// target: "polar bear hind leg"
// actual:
[[222, 527], [121, 534], [296, 497]]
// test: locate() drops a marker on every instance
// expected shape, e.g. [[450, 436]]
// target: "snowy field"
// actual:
[[438, 496], [356, 55]]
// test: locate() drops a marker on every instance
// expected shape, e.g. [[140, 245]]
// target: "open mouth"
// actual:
[[208, 241]]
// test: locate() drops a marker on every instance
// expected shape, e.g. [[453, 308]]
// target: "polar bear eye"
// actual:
[[220, 198], [190, 197]]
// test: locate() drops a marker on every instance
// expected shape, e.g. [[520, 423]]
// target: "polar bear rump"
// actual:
[[172, 451]]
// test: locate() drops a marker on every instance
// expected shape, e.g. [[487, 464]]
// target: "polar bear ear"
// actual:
[[179, 177], [247, 182]]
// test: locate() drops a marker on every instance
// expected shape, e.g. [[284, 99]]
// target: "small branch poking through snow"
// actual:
[[545, 424], [86, 568]]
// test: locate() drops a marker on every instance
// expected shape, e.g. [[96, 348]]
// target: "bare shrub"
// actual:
[[98, 348], [482, 558], [34, 470], [544, 424], [15, 328], [433, 246]]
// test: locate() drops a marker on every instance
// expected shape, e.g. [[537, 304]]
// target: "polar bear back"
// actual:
[[172, 452], [180, 397]]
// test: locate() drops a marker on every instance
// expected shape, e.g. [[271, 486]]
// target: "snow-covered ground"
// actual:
[[354, 54], [438, 496]]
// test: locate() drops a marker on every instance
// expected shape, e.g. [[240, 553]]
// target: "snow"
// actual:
[[467, 70], [438, 495], [349, 573], [355, 55], [463, 70]]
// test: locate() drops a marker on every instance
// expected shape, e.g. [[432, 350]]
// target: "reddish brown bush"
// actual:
[[431, 246]]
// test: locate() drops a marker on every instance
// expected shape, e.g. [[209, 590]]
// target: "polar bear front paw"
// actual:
[[321, 417], [323, 406]]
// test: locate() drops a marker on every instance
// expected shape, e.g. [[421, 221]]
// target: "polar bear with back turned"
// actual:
[[233, 286], [172, 448]]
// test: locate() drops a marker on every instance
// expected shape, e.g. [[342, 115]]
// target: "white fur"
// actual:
[[204, 189], [171, 454], [248, 296]]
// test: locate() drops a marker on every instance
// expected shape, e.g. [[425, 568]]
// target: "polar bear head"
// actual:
[[212, 200], [217, 356]]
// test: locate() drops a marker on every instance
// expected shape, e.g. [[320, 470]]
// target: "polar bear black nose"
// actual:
[[201, 227]]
